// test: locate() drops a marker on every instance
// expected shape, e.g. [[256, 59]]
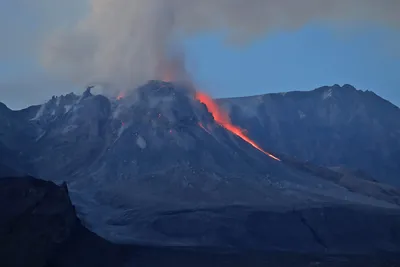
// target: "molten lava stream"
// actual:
[[223, 119]]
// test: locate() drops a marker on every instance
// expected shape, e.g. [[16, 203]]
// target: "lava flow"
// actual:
[[223, 119]]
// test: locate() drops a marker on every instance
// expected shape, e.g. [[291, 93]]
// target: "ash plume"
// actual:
[[127, 42]]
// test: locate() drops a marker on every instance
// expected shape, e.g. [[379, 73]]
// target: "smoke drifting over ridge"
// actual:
[[127, 42]]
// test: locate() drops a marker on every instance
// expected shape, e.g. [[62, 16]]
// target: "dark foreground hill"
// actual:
[[39, 228]]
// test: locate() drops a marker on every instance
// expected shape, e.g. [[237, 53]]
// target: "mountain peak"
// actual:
[[349, 87], [88, 92], [337, 87]]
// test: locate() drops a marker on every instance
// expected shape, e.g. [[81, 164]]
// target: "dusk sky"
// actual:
[[301, 59]]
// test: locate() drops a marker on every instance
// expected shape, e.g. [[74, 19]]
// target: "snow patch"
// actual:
[[121, 131], [67, 108], [301, 114], [327, 94], [80, 99], [40, 112], [141, 142], [76, 107]]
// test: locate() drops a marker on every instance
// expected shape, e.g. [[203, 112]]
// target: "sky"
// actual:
[[311, 57], [299, 59]]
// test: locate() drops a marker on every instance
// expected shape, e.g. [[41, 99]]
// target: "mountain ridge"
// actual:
[[307, 124], [126, 161], [46, 115], [317, 89]]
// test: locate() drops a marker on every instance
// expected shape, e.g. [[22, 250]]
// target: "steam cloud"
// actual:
[[127, 42]]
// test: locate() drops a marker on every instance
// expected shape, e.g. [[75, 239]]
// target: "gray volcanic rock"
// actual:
[[330, 126], [354, 181], [73, 140], [131, 163], [310, 230], [38, 227]]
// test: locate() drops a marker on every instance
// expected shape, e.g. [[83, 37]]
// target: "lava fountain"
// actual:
[[222, 118]]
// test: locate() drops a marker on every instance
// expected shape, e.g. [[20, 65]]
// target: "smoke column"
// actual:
[[127, 42]]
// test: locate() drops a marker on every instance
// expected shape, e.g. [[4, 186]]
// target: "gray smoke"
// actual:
[[127, 42]]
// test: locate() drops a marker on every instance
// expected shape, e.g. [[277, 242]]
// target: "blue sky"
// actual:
[[304, 59]]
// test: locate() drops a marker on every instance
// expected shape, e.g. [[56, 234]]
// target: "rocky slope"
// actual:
[[39, 228], [139, 166], [335, 126]]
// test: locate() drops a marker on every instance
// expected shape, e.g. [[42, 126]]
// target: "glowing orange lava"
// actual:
[[121, 95], [223, 119]]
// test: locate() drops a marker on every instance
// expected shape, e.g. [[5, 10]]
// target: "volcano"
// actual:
[[163, 164], [154, 129]]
